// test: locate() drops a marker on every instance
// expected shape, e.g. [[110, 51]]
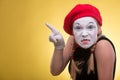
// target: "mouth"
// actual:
[[85, 41]]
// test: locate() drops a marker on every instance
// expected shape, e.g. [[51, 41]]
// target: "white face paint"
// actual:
[[85, 31]]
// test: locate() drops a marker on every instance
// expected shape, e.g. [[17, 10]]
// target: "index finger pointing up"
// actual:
[[51, 28]]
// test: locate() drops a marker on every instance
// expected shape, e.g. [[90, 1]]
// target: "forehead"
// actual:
[[85, 20]]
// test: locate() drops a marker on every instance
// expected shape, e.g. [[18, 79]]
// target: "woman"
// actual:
[[91, 55]]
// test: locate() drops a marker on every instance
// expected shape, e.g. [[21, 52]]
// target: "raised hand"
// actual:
[[56, 37]]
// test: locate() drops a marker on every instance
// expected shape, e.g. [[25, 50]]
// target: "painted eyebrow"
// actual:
[[91, 22], [77, 23]]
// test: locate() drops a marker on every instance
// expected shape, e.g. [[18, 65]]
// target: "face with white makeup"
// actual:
[[85, 31]]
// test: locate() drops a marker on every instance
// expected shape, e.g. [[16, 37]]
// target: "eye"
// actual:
[[91, 27], [78, 27]]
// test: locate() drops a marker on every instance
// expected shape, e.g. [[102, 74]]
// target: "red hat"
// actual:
[[81, 10]]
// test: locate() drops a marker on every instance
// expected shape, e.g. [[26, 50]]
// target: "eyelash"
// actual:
[[90, 26], [78, 27]]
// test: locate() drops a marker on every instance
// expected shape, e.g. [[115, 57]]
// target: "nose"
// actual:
[[84, 33]]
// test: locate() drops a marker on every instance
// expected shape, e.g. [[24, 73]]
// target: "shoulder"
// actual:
[[105, 59], [104, 51]]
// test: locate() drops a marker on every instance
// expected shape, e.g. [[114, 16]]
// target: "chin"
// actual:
[[86, 47]]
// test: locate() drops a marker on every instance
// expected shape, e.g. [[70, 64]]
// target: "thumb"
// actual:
[[52, 38]]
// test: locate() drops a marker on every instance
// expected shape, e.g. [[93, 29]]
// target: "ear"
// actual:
[[99, 31]]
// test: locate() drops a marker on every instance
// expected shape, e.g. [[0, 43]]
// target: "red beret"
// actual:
[[81, 10]]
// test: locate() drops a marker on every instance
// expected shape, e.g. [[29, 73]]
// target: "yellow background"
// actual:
[[25, 51]]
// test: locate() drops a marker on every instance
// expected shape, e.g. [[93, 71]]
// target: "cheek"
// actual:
[[75, 33], [93, 33], [94, 36], [76, 36]]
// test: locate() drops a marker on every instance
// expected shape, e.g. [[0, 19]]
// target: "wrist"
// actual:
[[59, 47]]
